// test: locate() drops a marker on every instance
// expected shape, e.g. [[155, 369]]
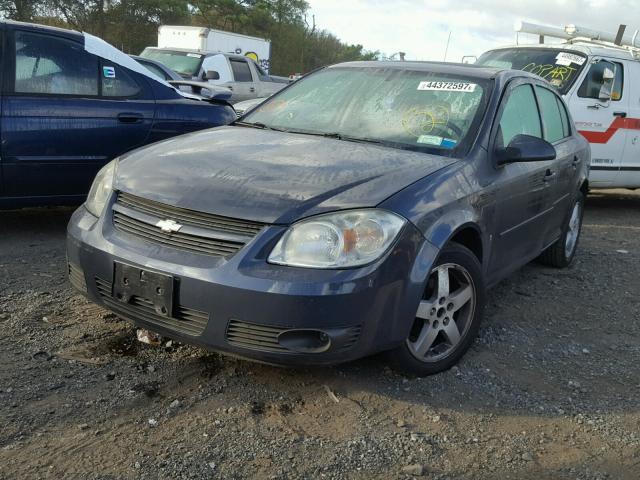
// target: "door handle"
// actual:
[[620, 114], [576, 161], [548, 175], [130, 117], [252, 89]]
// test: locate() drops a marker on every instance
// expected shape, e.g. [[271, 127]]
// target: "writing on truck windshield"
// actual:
[[405, 109], [558, 67]]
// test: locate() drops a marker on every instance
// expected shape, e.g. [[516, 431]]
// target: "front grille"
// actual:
[[201, 233], [186, 320], [265, 338], [76, 277]]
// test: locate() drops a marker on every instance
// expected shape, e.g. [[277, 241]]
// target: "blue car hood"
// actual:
[[269, 176]]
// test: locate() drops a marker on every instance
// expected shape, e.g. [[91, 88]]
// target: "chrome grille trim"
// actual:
[[200, 233]]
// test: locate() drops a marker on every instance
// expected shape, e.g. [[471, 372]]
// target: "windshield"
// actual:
[[416, 110], [558, 67], [186, 64]]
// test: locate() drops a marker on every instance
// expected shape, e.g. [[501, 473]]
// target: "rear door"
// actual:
[[602, 123], [523, 190], [558, 132], [65, 114], [244, 86]]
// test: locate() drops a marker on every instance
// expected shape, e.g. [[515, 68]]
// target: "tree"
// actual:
[[297, 45]]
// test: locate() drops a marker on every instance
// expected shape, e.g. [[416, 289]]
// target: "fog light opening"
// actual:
[[305, 341]]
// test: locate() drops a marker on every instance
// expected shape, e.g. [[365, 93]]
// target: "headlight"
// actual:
[[101, 188], [338, 240]]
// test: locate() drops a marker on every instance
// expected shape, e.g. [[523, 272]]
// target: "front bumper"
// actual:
[[243, 305]]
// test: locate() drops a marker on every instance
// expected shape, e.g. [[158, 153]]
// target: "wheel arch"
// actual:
[[462, 228]]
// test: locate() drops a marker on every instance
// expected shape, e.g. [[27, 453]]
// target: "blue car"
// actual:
[[365, 208], [71, 103]]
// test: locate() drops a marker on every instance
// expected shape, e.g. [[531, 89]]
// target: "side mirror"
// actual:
[[211, 75], [526, 148], [606, 90]]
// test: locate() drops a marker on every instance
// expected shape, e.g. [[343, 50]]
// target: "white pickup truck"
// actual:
[[239, 73]]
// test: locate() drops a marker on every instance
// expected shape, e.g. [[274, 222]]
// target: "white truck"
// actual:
[[204, 39], [599, 76], [221, 58]]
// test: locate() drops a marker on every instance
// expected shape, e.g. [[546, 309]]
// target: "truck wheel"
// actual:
[[561, 253], [448, 317]]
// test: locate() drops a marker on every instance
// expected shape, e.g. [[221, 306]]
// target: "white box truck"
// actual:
[[209, 40]]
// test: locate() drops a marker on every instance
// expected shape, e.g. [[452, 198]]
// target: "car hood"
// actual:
[[269, 176]]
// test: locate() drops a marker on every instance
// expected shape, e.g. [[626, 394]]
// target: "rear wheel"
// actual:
[[448, 316], [561, 253]]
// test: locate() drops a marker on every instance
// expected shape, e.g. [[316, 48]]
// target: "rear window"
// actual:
[[558, 67], [186, 64], [241, 71]]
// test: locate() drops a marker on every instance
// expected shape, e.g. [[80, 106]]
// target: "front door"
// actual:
[[523, 191], [65, 114], [629, 174], [602, 123]]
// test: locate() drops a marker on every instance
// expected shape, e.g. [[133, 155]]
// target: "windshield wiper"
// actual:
[[259, 125], [348, 138]]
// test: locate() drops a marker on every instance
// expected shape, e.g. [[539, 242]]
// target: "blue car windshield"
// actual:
[[417, 110]]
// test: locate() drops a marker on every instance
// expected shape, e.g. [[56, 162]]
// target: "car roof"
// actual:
[[62, 32], [463, 69]]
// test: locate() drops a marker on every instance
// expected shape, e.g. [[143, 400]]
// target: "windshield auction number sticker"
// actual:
[[448, 86]]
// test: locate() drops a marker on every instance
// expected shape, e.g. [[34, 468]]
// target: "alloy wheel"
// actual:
[[444, 315], [573, 230]]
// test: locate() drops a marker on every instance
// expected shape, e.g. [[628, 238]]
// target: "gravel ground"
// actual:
[[549, 390]]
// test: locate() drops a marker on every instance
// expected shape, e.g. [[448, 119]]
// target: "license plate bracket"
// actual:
[[131, 282]]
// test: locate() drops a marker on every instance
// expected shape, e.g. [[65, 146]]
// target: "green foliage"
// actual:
[[296, 44]]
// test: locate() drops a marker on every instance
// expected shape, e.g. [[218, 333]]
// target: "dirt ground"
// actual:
[[550, 390]]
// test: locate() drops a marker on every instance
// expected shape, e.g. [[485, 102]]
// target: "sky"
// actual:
[[421, 27]]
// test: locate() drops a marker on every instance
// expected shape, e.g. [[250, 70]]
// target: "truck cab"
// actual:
[[245, 78], [600, 82]]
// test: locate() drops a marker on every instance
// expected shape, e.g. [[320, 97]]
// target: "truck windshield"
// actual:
[[186, 64], [415, 110], [558, 67]]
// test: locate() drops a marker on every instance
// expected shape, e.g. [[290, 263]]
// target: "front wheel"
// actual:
[[448, 317], [561, 253]]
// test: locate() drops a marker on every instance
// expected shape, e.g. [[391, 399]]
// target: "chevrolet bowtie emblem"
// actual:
[[169, 226]]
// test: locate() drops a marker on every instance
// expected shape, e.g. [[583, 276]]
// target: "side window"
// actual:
[[520, 116], [566, 126], [47, 64], [116, 82], [590, 87], [554, 129], [241, 70]]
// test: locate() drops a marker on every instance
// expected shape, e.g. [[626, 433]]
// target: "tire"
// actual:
[[562, 252], [433, 345]]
